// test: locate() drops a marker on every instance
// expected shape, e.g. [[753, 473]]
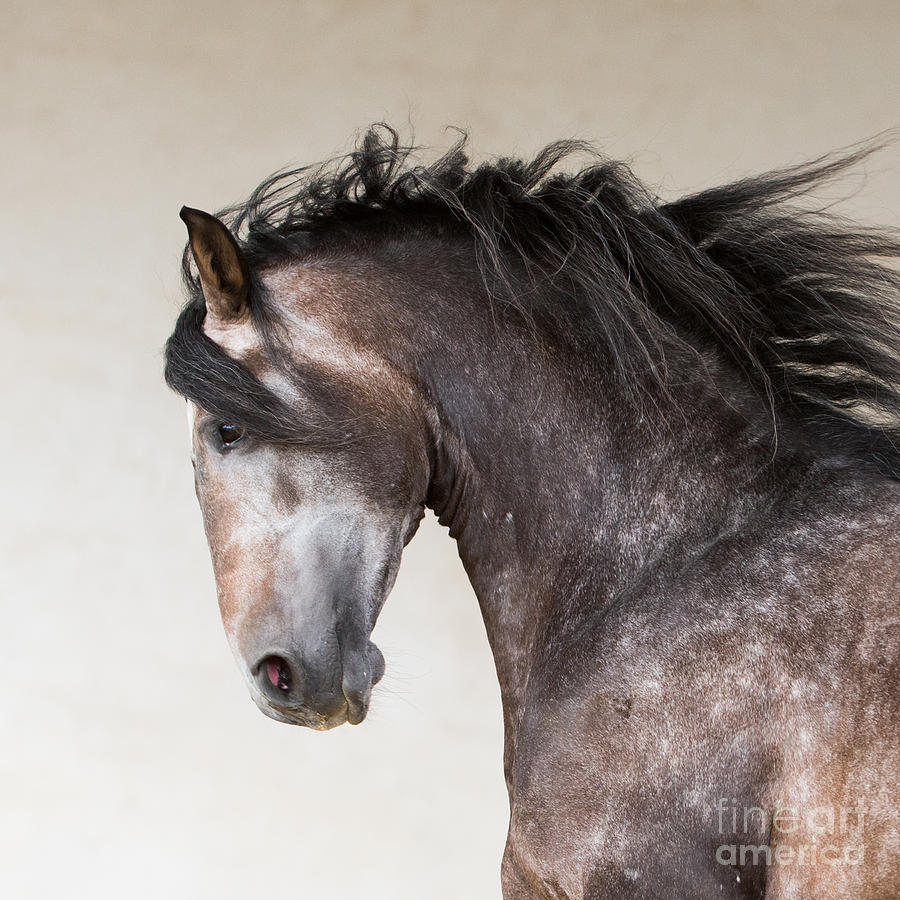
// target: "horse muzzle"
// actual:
[[290, 690]]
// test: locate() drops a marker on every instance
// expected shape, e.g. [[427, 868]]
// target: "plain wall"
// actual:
[[132, 762]]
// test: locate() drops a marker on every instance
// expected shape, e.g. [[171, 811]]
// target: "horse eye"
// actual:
[[230, 434]]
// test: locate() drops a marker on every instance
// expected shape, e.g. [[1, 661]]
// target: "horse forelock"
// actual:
[[303, 380]]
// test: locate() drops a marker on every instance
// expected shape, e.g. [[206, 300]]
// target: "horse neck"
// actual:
[[560, 489]]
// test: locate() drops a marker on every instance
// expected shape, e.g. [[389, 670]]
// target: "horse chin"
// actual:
[[304, 717]]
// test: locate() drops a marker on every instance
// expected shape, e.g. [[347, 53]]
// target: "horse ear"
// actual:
[[224, 276]]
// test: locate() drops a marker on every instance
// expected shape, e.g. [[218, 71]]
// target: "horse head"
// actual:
[[305, 528]]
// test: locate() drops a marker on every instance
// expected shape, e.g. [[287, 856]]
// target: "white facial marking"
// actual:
[[191, 410]]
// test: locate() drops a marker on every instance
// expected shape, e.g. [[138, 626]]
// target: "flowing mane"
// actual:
[[805, 304]]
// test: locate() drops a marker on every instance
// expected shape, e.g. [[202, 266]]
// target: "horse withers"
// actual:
[[666, 437]]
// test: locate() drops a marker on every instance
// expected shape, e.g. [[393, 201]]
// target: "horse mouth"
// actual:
[[302, 716]]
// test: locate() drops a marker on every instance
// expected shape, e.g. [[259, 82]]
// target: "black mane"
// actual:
[[804, 303]]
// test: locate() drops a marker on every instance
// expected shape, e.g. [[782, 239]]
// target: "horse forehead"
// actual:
[[316, 303], [311, 306]]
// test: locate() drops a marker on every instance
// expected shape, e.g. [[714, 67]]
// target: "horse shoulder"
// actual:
[[703, 684]]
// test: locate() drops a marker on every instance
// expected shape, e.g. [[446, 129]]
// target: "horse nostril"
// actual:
[[278, 672]]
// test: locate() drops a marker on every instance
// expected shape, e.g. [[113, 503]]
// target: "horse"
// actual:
[[665, 436]]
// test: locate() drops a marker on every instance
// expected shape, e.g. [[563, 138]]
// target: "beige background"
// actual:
[[132, 762]]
